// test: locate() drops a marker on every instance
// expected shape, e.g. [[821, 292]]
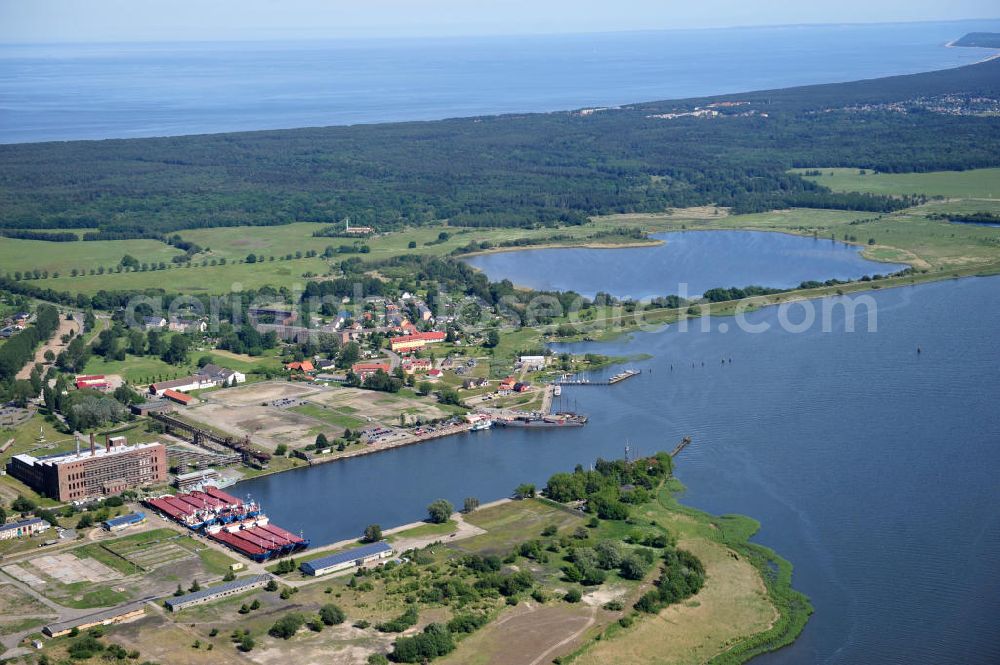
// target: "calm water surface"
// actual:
[[100, 91], [870, 467], [688, 263]]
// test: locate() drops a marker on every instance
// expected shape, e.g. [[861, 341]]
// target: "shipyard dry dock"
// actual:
[[239, 525]]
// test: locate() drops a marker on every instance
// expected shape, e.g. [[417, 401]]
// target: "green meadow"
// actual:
[[62, 257], [909, 235], [978, 183]]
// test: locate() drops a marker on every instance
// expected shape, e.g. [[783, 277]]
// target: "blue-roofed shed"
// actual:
[[124, 521], [352, 558]]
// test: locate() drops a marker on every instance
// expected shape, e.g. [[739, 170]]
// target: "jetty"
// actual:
[[685, 442], [617, 378]]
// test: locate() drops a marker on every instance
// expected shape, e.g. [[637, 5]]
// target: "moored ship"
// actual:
[[237, 524], [563, 419]]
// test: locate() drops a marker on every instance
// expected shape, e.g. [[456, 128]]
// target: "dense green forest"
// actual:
[[512, 170], [20, 348]]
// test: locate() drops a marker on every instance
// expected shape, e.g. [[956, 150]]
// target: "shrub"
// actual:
[[573, 596], [405, 620], [633, 567], [331, 615], [467, 623], [285, 627], [433, 642], [84, 648]]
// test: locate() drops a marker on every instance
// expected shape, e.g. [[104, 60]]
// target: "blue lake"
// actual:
[[687, 263], [96, 91], [871, 467]]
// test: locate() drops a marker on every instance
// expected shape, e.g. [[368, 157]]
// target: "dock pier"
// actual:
[[617, 378]]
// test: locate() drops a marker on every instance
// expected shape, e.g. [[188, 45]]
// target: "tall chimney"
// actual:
[[107, 442], [93, 445]]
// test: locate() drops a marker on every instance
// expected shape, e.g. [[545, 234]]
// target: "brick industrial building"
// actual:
[[93, 473]]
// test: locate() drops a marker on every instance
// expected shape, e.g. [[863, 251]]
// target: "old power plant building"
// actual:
[[95, 473]]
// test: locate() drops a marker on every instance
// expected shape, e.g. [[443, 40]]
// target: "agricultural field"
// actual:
[[196, 279], [974, 184], [62, 257]]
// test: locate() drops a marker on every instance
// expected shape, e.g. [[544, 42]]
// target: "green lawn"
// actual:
[[137, 369], [977, 183], [331, 416], [425, 530]]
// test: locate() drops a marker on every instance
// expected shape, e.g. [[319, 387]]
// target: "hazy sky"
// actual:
[[154, 20]]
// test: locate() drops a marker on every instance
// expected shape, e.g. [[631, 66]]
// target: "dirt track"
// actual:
[[55, 343]]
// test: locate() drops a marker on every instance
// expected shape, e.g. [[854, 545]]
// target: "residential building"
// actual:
[[475, 382], [221, 376], [352, 558], [186, 325], [414, 365], [183, 385], [300, 366], [272, 315], [23, 528], [95, 473], [153, 322], [209, 376]]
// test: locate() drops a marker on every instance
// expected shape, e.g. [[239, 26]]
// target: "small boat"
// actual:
[[480, 425]]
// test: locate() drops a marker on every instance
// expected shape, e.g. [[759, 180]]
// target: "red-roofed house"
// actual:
[[94, 381], [411, 366], [366, 369], [304, 366], [410, 343]]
